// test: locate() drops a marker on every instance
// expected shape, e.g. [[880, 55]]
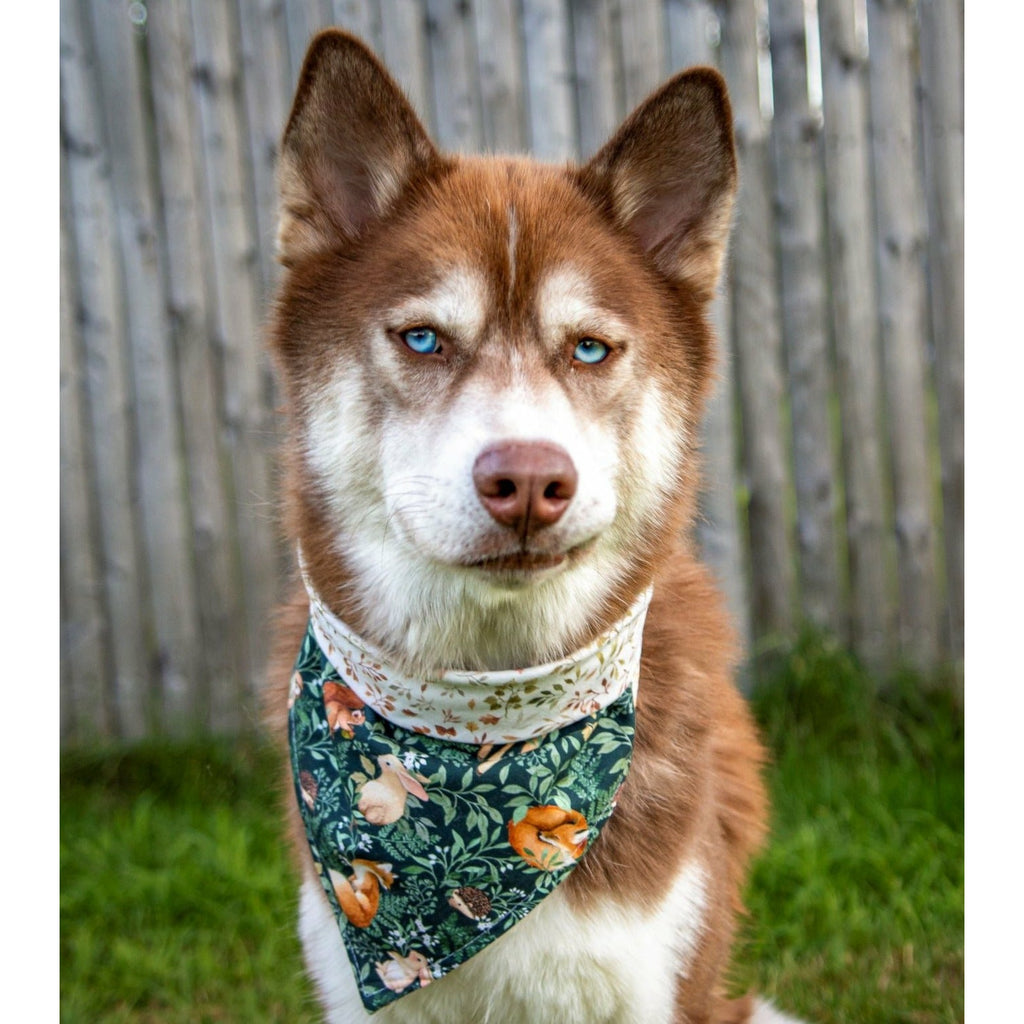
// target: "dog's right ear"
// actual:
[[352, 144]]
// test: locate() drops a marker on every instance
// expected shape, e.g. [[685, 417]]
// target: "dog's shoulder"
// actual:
[[695, 789]]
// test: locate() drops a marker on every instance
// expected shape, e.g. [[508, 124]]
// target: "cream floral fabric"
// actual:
[[488, 707]]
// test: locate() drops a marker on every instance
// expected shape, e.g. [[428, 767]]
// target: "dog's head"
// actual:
[[494, 368]]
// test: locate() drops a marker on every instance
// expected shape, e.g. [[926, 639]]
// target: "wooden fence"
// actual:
[[835, 442]]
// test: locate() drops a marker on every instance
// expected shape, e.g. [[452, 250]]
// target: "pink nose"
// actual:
[[525, 485]]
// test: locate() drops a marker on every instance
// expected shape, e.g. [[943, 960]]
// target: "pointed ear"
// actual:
[[351, 145], [668, 175]]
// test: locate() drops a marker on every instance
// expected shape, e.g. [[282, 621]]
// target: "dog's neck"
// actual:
[[503, 706]]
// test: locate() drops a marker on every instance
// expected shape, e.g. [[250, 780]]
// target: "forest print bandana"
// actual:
[[429, 845]]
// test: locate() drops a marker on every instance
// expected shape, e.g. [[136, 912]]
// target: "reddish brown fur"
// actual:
[[695, 785], [694, 788]]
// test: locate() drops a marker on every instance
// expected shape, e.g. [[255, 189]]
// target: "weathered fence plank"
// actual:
[[756, 334], [502, 93], [598, 96], [718, 530], [453, 76], [107, 397], [303, 21], [266, 83], [900, 248], [642, 27], [361, 17], [218, 578], [552, 134], [942, 60], [692, 34], [403, 38], [236, 324], [855, 327], [159, 469], [796, 153], [86, 663]]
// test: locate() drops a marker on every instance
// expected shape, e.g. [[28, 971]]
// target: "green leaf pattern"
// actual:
[[448, 878]]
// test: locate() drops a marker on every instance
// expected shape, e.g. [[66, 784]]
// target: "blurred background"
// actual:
[[834, 448]]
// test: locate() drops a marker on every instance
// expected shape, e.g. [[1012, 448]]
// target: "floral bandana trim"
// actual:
[[488, 707], [429, 847]]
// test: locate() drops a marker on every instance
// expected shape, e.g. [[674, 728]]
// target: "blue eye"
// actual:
[[590, 351], [421, 340]]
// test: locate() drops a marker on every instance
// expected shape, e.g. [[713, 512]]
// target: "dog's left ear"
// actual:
[[668, 175]]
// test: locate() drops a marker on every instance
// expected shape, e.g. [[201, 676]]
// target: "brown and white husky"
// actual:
[[494, 372]]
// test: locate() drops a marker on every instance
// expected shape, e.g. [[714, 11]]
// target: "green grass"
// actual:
[[857, 906], [178, 900]]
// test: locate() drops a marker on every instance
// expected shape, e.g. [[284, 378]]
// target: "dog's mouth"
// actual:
[[524, 563], [521, 561]]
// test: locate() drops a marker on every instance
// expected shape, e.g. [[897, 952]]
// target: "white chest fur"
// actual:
[[608, 966]]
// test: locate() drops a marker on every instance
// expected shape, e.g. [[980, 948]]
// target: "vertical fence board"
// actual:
[[718, 530], [403, 39], [104, 344], [692, 29], [642, 25], [549, 79], [214, 541], [692, 32], [361, 17], [855, 325], [502, 95], [900, 245], [452, 49], [756, 335], [159, 472], [598, 74], [85, 659], [796, 152], [303, 20], [266, 85], [237, 317], [942, 78]]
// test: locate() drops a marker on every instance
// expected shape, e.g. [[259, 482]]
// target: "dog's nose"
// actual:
[[525, 485]]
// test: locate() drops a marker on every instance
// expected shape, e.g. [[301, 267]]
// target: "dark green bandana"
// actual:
[[429, 849]]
